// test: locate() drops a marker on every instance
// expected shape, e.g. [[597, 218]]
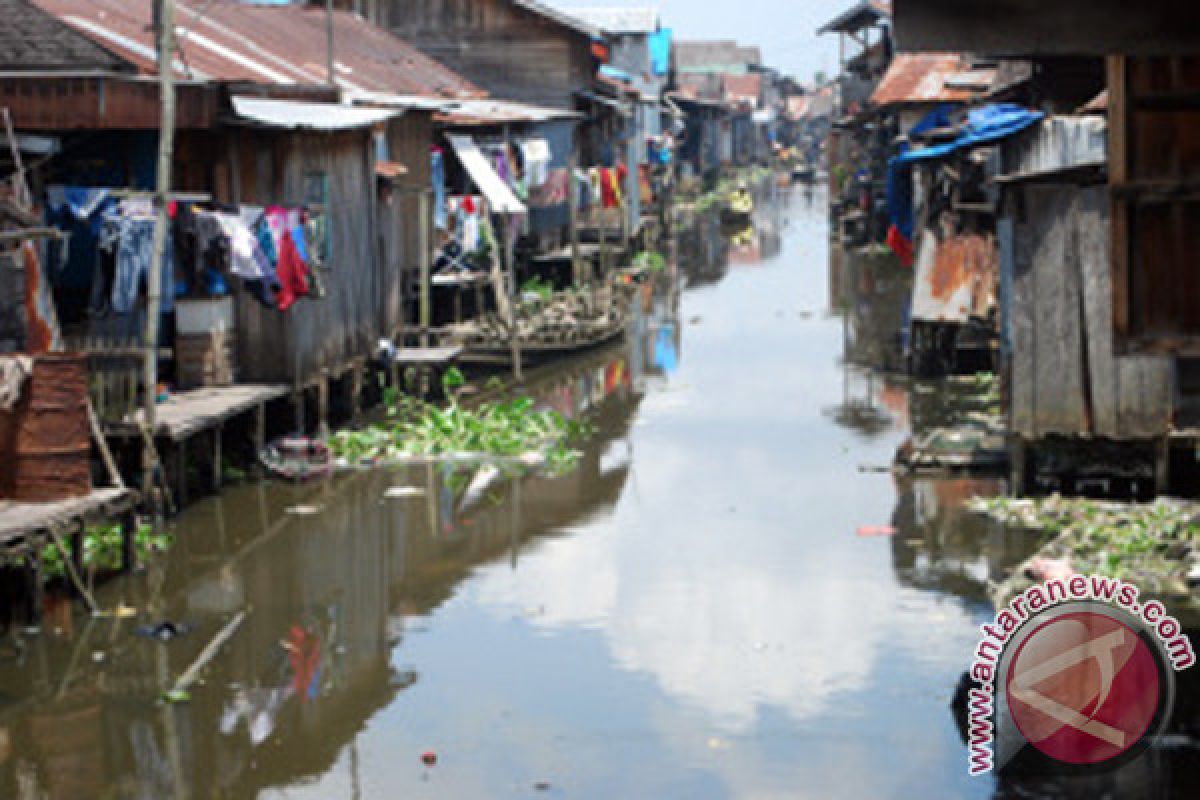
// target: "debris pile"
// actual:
[[1155, 546], [569, 318]]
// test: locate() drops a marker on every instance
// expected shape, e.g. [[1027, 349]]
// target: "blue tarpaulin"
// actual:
[[983, 126]]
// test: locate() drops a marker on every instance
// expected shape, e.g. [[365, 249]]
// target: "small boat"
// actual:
[[738, 209], [297, 458]]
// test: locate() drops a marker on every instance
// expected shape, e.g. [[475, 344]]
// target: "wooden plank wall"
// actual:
[[317, 334], [1067, 379], [409, 139], [513, 54]]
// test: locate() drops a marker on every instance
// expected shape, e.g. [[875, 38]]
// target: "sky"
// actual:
[[785, 29]]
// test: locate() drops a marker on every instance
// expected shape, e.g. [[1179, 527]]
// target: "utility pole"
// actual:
[[166, 151], [329, 41]]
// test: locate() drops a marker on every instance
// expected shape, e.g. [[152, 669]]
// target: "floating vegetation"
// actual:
[[102, 549], [515, 430], [538, 289], [650, 261], [1153, 545]]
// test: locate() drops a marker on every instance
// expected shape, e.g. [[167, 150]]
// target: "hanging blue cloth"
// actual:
[[660, 51], [437, 163]]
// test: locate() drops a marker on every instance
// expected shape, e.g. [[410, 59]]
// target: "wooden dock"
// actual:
[[188, 413], [26, 528], [201, 412]]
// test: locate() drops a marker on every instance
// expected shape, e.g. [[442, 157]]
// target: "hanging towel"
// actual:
[[438, 176], [293, 274], [536, 153]]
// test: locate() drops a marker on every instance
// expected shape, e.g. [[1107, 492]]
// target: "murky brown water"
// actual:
[[692, 613]]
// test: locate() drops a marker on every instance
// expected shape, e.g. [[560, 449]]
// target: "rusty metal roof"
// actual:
[[926, 78], [228, 41], [742, 88]]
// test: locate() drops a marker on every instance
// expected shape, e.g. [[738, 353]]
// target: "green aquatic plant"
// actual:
[[102, 549], [650, 261], [543, 290], [510, 429]]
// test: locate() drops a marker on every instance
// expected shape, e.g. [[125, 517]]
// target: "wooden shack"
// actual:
[[1069, 378], [520, 50]]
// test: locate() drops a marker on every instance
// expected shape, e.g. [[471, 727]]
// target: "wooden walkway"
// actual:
[[188, 413], [26, 529], [25, 525]]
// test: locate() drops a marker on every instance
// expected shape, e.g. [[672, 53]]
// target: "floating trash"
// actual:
[[304, 511], [402, 492], [165, 631], [870, 531], [429, 758]]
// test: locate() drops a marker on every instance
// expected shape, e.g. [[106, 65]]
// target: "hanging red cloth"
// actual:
[[292, 273], [610, 188], [900, 245]]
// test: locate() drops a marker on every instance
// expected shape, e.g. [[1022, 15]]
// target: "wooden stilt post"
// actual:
[[217, 457], [323, 404], [181, 476], [33, 587], [298, 410], [1162, 466], [128, 541], [573, 208], [424, 256], [1018, 462], [260, 427], [356, 391]]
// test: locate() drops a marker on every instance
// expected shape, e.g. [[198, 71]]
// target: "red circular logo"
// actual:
[[1083, 688]]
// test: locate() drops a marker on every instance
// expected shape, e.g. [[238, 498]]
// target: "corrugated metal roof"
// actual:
[[722, 53], [499, 196], [482, 112], [742, 88], [921, 78], [224, 40], [294, 115], [561, 17], [620, 20]]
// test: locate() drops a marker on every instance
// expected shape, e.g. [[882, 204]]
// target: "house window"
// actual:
[[316, 203]]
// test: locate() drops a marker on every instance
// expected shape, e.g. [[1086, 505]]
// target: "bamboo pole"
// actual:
[[424, 223], [166, 152], [208, 654], [573, 208]]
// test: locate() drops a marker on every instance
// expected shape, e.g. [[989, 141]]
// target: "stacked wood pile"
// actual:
[[569, 319]]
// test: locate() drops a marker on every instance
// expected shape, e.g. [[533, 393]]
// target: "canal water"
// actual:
[[731, 597]]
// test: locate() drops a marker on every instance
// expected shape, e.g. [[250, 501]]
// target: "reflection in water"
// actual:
[[689, 614]]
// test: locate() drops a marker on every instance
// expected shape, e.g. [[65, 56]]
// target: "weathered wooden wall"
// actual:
[[512, 53], [1066, 377], [317, 333], [409, 138]]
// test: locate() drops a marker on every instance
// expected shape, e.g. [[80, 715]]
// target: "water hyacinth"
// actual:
[[514, 430]]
